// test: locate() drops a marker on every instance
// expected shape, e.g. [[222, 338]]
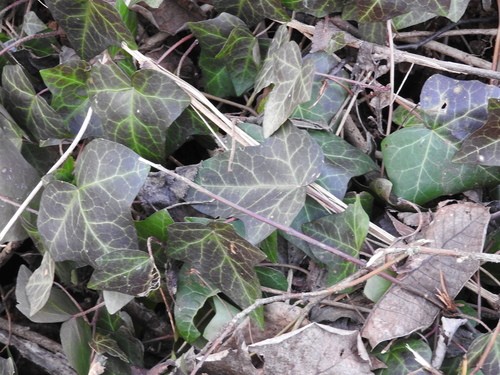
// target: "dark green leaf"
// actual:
[[29, 110], [241, 56], [106, 345], [17, 179], [483, 146], [136, 112], [327, 96], [253, 11], [192, 293], [125, 271], [272, 278], [221, 257], [491, 365], [75, 337], [400, 360], [269, 179], [68, 84], [342, 162], [318, 8], [155, 226], [419, 164], [216, 78], [346, 231], [90, 25], [84, 222]]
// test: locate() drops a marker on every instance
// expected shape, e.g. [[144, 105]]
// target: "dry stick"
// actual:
[[392, 78], [30, 37], [357, 278], [37, 188], [459, 32], [381, 52]]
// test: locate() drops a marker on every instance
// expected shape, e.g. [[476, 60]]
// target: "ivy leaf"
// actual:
[[17, 179], [253, 11], [419, 164], [399, 359], [84, 222], [241, 56], [68, 84], [192, 294], [454, 108], [90, 25], [125, 271], [269, 179], [221, 257], [30, 110], [136, 111], [327, 96], [293, 83], [346, 231], [342, 162], [483, 146], [383, 10], [39, 284], [213, 36], [317, 8], [419, 159], [75, 337]]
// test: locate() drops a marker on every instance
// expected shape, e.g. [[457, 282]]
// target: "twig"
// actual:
[[382, 52], [37, 188], [30, 37], [487, 350], [392, 79]]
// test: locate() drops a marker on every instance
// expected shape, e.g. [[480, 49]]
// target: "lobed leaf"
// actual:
[[269, 179], [136, 111], [483, 146], [84, 222], [90, 25], [30, 110], [221, 257]]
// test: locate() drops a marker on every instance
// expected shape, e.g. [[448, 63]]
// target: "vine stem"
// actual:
[[37, 188]]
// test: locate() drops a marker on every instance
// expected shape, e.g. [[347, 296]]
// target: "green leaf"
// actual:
[[58, 308], [75, 337], [419, 164], [136, 111], [90, 25], [192, 294], [269, 179], [400, 360], [17, 179], [383, 10], [476, 352], [270, 247], [39, 284], [155, 226], [29, 110], [224, 313], [483, 146], [241, 56], [345, 231], [68, 84], [419, 159], [221, 257], [454, 108], [84, 222], [342, 162], [126, 271], [293, 83], [272, 278], [253, 11], [213, 35], [104, 344], [327, 96]]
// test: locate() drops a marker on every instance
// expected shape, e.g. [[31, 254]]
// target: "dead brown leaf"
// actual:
[[400, 311]]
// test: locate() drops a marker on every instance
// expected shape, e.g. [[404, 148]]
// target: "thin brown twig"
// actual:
[[10, 6], [27, 38]]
